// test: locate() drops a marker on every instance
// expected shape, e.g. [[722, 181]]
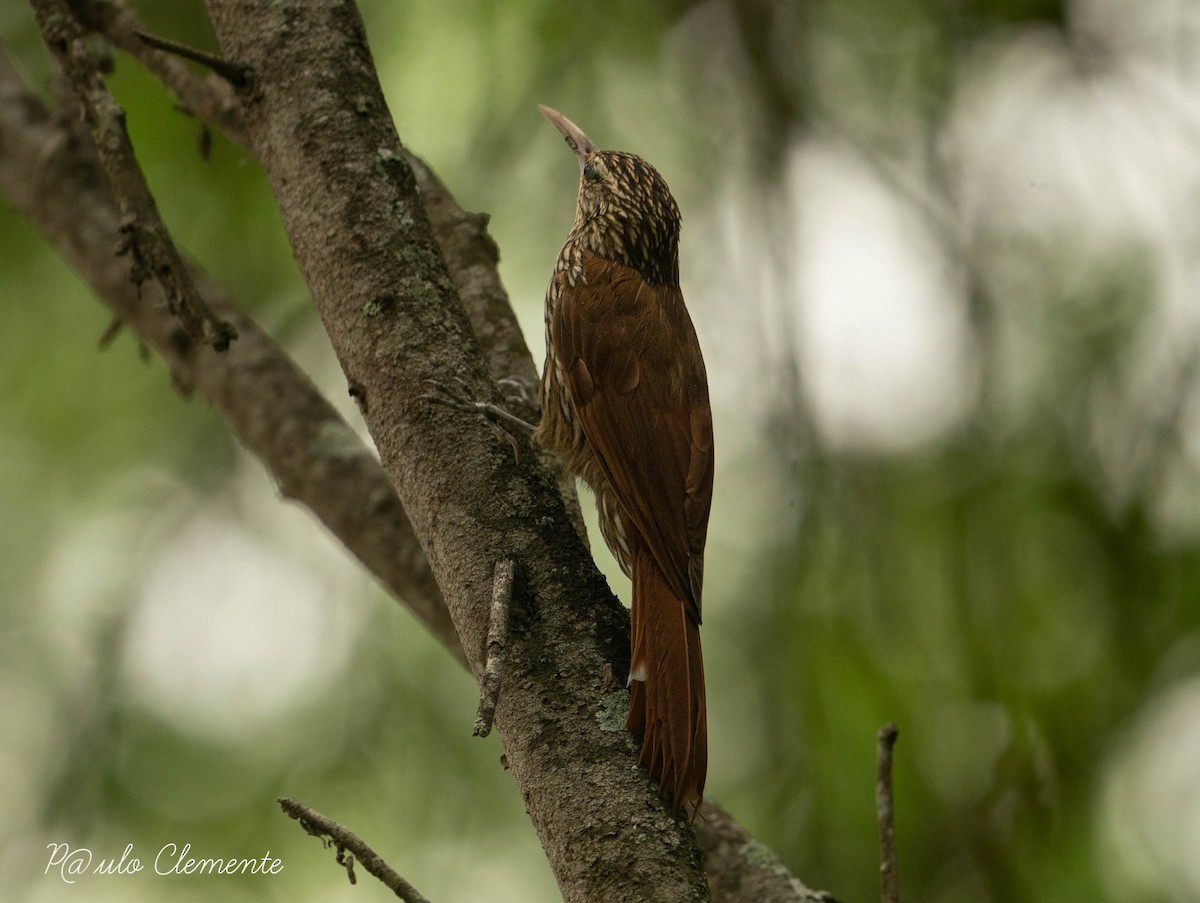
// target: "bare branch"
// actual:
[[360, 235], [207, 96], [502, 590], [883, 810], [292, 439], [471, 254], [232, 72], [742, 869], [313, 454], [344, 839], [144, 235]]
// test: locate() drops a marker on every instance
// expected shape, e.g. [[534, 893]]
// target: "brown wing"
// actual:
[[636, 377]]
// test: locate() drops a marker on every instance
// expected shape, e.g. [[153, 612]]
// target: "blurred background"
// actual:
[[944, 260]]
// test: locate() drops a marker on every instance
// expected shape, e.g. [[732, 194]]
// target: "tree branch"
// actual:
[[209, 96], [145, 238], [319, 124], [53, 178], [889, 879], [744, 870], [344, 839], [497, 638], [471, 254], [234, 73], [277, 413]]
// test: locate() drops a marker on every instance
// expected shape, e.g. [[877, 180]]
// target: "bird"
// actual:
[[624, 403]]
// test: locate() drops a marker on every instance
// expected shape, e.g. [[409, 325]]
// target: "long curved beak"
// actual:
[[578, 141]]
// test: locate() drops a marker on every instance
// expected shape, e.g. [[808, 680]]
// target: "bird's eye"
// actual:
[[590, 173]]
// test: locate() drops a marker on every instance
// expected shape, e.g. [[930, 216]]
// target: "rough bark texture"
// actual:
[[317, 120], [741, 869]]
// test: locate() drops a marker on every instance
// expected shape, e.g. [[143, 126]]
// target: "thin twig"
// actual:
[[208, 96], [234, 73], [493, 669], [885, 740], [345, 840], [144, 236], [115, 325]]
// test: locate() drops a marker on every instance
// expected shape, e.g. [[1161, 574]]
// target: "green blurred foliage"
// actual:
[[1017, 590]]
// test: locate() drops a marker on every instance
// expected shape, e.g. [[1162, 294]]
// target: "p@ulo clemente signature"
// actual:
[[69, 863]]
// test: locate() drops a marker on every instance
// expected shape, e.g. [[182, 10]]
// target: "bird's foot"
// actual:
[[456, 395], [521, 393]]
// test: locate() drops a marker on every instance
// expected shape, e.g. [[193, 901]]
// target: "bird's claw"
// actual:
[[452, 395], [521, 393], [456, 395]]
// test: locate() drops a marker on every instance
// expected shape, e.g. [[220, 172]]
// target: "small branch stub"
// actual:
[[347, 841], [885, 741], [489, 691], [234, 73]]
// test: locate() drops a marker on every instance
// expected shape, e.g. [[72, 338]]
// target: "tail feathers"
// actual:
[[666, 701]]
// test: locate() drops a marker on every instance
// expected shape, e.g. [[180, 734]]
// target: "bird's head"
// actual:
[[625, 211]]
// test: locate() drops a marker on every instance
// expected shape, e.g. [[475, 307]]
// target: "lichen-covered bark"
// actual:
[[317, 121]]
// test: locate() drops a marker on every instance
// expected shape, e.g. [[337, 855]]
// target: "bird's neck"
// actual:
[[652, 252]]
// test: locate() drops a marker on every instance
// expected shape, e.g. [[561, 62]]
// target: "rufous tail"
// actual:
[[666, 679]]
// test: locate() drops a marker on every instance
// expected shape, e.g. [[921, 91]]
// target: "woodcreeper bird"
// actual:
[[624, 400]]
